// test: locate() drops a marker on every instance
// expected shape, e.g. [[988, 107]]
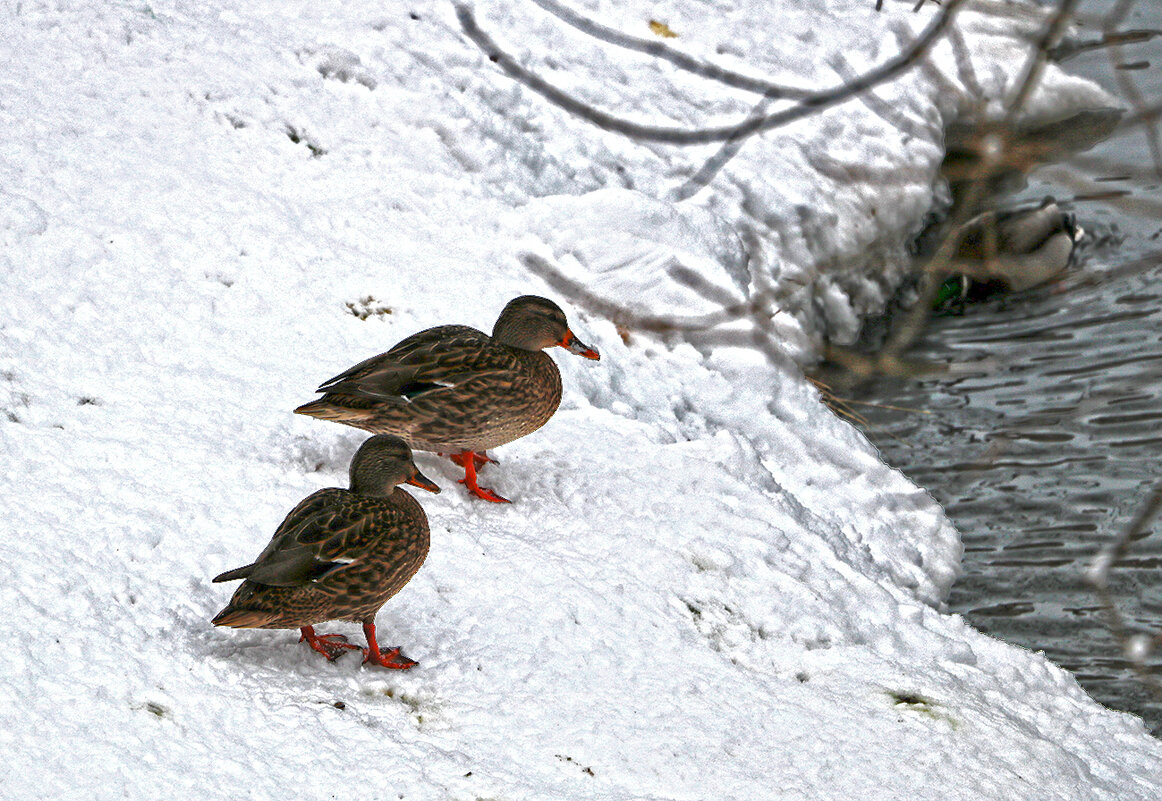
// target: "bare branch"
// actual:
[[1070, 48], [1036, 63], [703, 331], [681, 136], [658, 49], [620, 315], [1130, 90], [964, 68], [713, 165], [883, 109], [1137, 649], [995, 141]]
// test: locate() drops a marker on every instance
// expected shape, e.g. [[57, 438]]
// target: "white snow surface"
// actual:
[[708, 585]]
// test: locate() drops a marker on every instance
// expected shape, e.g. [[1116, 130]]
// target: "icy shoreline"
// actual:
[[707, 582]]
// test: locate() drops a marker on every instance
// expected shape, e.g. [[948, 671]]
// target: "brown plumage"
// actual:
[[455, 390], [339, 555]]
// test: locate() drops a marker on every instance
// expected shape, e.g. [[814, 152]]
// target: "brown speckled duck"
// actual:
[[339, 555], [457, 391]]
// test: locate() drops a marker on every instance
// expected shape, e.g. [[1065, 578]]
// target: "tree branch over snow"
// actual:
[[1035, 64], [701, 330], [996, 139], [811, 103], [658, 49], [1068, 49], [997, 145], [713, 165]]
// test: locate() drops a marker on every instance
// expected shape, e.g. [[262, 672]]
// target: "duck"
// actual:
[[339, 555], [457, 391], [1011, 250]]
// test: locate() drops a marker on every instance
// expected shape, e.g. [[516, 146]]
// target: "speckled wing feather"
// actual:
[[327, 531], [432, 360], [447, 389]]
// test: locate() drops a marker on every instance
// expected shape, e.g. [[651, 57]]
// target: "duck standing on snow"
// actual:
[[339, 555], [457, 391]]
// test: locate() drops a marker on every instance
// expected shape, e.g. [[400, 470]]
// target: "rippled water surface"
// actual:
[[1048, 439], [1040, 461]]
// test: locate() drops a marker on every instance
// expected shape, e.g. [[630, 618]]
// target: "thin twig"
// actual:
[[806, 106], [713, 165], [1130, 90], [1136, 649], [993, 146], [704, 330], [1074, 47], [658, 49], [1035, 65], [620, 315]]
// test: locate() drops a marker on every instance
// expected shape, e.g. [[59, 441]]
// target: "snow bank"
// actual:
[[707, 584]]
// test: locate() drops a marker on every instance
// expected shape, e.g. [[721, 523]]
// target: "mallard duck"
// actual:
[[1013, 250], [457, 391], [339, 555]]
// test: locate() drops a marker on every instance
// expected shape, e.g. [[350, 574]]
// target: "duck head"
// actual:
[[535, 323], [384, 462]]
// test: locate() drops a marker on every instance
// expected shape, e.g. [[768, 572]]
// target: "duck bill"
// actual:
[[423, 482], [574, 345]]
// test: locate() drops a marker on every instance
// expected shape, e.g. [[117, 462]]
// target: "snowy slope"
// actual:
[[707, 586]]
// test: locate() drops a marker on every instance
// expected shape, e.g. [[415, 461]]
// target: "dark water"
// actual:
[[1047, 436]]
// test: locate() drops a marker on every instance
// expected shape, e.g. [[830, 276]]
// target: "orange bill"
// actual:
[[423, 482], [574, 345]]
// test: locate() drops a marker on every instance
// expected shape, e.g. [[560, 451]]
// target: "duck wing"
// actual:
[[326, 532], [436, 360]]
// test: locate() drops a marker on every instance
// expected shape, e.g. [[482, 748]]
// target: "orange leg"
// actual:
[[479, 459], [331, 646], [390, 658], [471, 461]]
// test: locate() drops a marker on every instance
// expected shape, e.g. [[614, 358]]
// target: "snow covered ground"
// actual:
[[708, 586]]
